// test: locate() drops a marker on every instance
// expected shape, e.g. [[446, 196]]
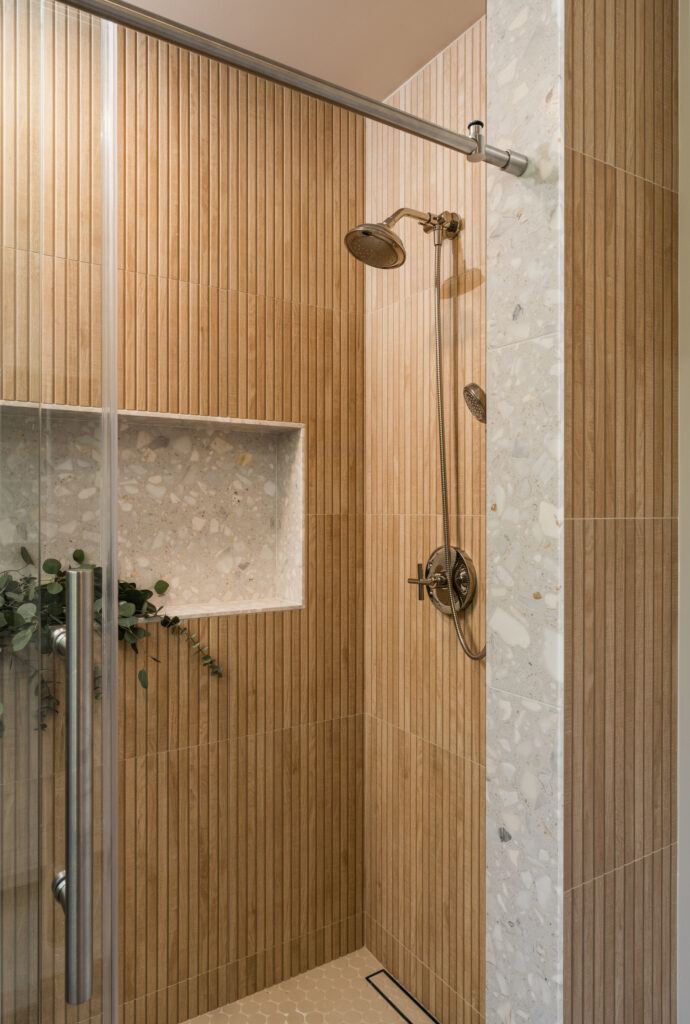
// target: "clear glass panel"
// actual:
[[56, 484]]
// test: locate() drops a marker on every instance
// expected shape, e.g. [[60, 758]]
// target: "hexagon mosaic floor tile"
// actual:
[[337, 993]]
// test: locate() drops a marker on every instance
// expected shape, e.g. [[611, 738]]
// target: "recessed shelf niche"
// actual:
[[212, 505]]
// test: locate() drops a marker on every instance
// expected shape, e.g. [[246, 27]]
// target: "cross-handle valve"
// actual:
[[434, 579], [437, 579]]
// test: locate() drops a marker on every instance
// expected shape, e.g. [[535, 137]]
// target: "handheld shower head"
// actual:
[[376, 245], [475, 399]]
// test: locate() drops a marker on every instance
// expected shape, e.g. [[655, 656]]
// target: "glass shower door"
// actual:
[[58, 869]]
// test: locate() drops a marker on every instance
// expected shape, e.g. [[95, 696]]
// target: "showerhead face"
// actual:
[[475, 400], [376, 245]]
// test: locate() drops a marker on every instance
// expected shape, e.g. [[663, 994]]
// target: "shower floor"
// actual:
[[337, 993]]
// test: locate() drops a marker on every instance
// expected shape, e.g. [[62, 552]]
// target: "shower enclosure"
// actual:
[[206, 398], [58, 751]]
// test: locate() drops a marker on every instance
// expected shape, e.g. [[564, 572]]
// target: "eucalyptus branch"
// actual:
[[176, 628], [33, 605]]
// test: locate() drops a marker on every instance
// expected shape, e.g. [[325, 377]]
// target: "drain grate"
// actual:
[[399, 998]]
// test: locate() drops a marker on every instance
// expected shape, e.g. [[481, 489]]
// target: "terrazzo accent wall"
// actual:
[[424, 772], [525, 546]]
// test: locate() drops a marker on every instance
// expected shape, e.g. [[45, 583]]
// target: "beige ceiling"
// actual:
[[371, 46]]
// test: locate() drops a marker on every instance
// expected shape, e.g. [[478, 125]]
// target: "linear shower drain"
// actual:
[[399, 998]]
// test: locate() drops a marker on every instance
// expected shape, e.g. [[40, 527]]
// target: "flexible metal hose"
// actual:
[[438, 241]]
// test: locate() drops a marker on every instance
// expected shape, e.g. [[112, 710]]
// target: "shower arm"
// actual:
[[447, 222], [407, 211]]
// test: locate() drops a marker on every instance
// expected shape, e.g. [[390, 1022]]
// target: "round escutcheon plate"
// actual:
[[464, 579]]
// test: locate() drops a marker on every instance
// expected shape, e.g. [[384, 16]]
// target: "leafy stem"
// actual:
[[33, 604]]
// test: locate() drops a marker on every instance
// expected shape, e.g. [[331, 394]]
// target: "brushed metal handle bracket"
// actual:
[[59, 888], [72, 887], [58, 639]]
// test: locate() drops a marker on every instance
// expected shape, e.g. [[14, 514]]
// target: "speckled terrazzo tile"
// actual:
[[524, 486], [524, 268], [203, 505], [215, 507], [336, 993]]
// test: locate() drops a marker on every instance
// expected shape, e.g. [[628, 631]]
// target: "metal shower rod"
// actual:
[[473, 145]]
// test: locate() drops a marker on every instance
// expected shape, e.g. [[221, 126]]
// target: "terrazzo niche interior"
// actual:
[[214, 506]]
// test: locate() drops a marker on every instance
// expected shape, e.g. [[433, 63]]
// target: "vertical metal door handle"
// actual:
[[77, 898]]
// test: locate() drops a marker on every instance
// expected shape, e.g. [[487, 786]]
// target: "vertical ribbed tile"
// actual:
[[622, 390], [424, 766], [238, 299], [621, 419], [621, 101], [241, 799]]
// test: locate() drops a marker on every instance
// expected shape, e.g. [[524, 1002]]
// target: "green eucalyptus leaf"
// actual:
[[160, 586], [78, 556], [54, 587], [52, 566], [22, 638], [28, 560], [143, 678], [27, 611], [126, 609]]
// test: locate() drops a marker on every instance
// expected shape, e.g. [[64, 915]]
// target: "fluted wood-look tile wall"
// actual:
[[425, 765], [49, 350], [621, 511], [241, 799]]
